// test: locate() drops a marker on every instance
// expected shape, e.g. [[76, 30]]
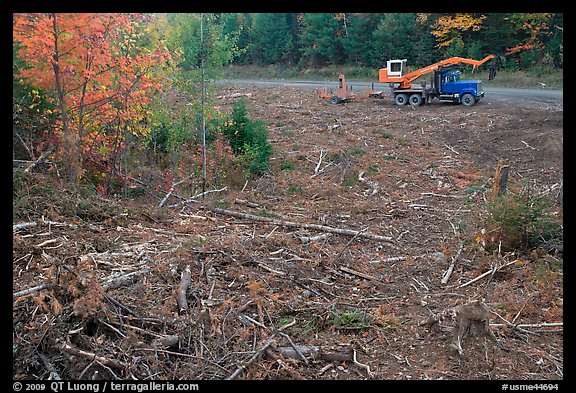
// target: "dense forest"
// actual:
[[309, 40], [96, 85]]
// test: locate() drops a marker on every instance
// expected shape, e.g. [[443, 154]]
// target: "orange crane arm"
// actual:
[[406, 80]]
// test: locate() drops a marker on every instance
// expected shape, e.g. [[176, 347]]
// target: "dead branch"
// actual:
[[234, 95], [393, 259], [300, 351], [250, 361], [294, 374], [315, 352], [529, 325], [451, 268], [266, 267], [174, 185], [92, 356], [24, 225], [246, 203], [117, 282], [492, 271], [185, 282], [357, 273], [53, 372], [30, 290], [356, 362], [350, 242], [317, 169], [51, 150], [372, 184], [322, 228], [166, 341], [195, 197], [25, 146], [308, 239]]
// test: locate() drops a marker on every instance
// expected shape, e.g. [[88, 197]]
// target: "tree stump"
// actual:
[[500, 180]]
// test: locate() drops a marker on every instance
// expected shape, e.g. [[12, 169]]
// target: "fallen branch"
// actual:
[[308, 239], [193, 199], [451, 268], [92, 356], [51, 150], [357, 273], [24, 225], [53, 372], [356, 362], [294, 374], [528, 325], [250, 361], [185, 282], [322, 228], [246, 203], [30, 290], [314, 352], [393, 259], [174, 185], [492, 271], [317, 169], [117, 282]]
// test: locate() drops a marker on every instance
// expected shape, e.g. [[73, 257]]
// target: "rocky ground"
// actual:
[[364, 253]]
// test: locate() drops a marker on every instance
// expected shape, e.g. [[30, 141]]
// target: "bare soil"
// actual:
[[354, 307]]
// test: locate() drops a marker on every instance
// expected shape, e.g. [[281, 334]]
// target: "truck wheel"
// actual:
[[468, 99], [334, 100], [401, 99], [416, 99]]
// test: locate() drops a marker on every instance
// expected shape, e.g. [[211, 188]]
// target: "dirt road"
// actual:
[[543, 95]]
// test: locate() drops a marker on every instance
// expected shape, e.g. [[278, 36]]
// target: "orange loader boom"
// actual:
[[394, 72]]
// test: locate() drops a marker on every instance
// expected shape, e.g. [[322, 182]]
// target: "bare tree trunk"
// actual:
[[73, 165]]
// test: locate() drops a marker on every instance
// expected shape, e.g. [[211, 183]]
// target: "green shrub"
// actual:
[[522, 221], [351, 320], [248, 138]]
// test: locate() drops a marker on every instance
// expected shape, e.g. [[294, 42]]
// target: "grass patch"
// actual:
[[294, 190], [350, 180], [355, 320], [386, 134], [287, 165], [391, 157]]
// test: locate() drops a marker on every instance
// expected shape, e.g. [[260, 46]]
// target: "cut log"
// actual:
[[321, 228]]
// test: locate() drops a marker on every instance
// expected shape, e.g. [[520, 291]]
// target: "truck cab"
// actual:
[[453, 89]]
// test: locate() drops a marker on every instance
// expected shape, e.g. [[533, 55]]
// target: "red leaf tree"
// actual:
[[102, 80]]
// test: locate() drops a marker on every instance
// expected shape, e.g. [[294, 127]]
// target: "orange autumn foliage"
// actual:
[[101, 79]]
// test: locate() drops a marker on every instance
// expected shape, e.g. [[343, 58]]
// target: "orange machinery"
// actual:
[[394, 73]]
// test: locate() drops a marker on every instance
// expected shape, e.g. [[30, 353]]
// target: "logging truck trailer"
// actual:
[[344, 93]]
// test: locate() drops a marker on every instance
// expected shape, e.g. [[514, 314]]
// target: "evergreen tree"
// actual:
[[272, 40], [395, 38], [357, 42], [321, 40]]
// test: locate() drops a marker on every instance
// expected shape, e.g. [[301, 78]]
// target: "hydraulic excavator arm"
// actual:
[[405, 80]]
